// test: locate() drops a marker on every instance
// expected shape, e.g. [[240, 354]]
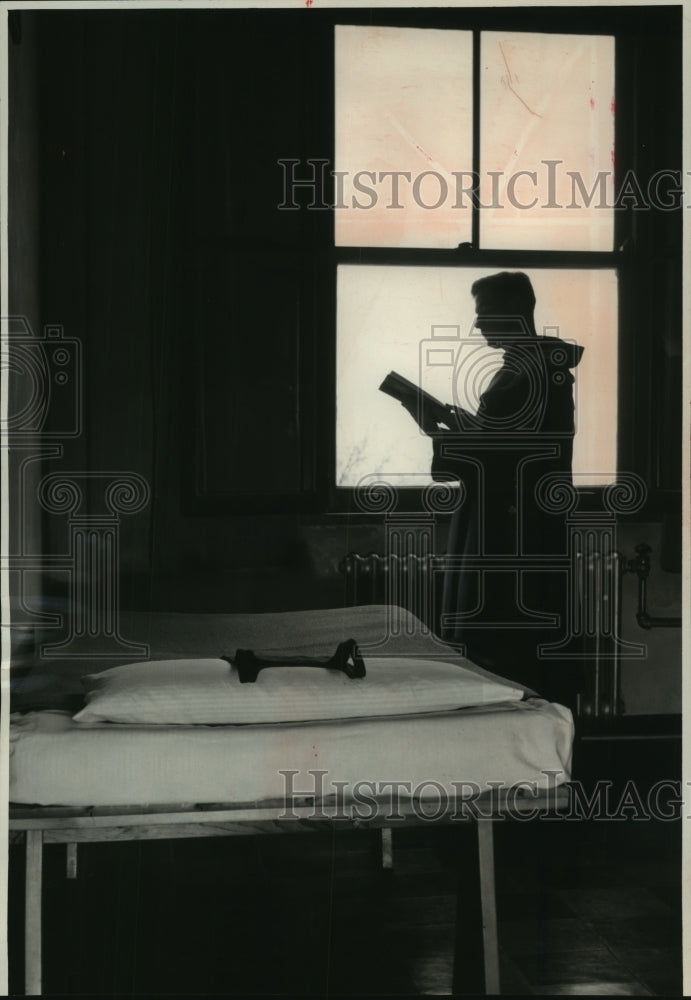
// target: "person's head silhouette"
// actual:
[[504, 306]]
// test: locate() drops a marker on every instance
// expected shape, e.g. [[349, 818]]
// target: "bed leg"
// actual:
[[488, 901], [386, 845], [476, 957], [32, 913]]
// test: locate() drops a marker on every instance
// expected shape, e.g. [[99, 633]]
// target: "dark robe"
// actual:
[[505, 586]]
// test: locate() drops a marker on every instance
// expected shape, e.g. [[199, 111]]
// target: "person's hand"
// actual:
[[427, 421]]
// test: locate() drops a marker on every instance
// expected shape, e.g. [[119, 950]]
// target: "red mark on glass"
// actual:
[[612, 106], [308, 3], [592, 104], [611, 155]]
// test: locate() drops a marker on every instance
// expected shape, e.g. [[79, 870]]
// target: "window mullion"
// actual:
[[475, 223]]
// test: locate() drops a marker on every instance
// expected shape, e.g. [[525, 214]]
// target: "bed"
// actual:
[[125, 768]]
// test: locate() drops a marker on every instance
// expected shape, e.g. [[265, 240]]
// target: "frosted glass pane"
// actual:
[[403, 103], [418, 321], [546, 98]]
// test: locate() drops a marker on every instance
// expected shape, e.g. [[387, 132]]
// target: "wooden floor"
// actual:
[[584, 907]]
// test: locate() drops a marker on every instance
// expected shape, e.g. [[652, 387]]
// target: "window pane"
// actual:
[[546, 98], [403, 103], [418, 321]]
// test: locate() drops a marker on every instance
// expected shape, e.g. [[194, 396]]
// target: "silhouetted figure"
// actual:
[[522, 432]]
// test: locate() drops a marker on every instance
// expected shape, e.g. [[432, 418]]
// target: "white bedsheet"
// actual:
[[55, 761]]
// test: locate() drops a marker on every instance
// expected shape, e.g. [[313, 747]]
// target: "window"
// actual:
[[418, 322], [458, 154], [403, 119]]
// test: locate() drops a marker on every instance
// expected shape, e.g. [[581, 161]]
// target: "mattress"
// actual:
[[56, 761], [379, 630]]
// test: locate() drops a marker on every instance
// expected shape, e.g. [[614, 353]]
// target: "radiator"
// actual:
[[410, 581], [596, 628], [591, 633]]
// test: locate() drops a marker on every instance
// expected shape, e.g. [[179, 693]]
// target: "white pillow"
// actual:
[[204, 691]]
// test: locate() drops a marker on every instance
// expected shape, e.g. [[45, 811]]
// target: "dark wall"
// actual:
[[206, 314], [162, 251]]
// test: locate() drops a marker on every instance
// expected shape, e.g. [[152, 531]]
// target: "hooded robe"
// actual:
[[505, 584]]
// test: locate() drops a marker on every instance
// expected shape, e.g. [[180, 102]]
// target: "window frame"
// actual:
[[621, 258]]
